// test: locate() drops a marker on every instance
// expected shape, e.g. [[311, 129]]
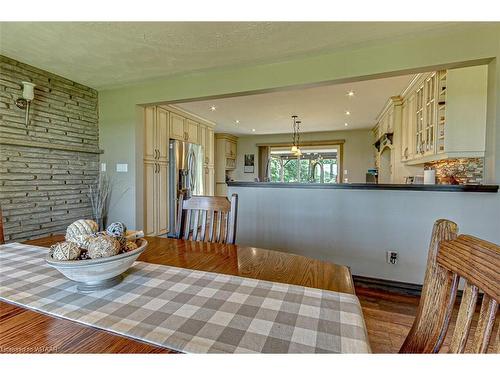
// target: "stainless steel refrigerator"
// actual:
[[185, 175]]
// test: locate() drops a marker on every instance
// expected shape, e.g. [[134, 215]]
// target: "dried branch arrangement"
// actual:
[[99, 195]]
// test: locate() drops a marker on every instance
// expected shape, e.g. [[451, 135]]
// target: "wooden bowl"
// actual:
[[100, 273]]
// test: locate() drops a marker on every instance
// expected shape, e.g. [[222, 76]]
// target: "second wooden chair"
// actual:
[[452, 257]]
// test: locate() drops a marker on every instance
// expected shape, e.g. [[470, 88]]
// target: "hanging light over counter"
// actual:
[[296, 136]]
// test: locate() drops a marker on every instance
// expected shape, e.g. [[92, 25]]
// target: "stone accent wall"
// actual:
[[465, 170], [46, 167]]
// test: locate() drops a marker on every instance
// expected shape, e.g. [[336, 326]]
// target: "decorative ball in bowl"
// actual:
[[96, 260], [99, 273]]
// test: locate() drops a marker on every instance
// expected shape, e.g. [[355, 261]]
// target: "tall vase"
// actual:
[[100, 223]]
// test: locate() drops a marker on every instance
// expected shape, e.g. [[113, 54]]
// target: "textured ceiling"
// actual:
[[320, 108], [105, 54]]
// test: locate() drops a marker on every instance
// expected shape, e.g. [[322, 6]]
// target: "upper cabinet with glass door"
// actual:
[[444, 115]]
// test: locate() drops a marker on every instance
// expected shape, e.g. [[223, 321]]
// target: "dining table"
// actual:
[[24, 330]]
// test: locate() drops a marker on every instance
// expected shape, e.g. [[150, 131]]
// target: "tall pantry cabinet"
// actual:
[[162, 123], [206, 137], [156, 136]]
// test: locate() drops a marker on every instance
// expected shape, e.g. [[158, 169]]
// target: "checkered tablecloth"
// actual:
[[191, 311]]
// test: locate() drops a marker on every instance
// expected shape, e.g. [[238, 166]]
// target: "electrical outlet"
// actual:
[[392, 257]]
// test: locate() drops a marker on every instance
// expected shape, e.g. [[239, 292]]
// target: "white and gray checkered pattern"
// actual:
[[191, 311]]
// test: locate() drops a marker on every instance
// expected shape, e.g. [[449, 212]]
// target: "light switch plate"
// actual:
[[103, 167], [121, 167]]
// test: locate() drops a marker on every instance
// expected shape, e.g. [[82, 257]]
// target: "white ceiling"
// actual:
[[320, 108], [106, 54]]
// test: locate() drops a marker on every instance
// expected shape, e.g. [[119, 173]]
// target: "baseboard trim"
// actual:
[[391, 286]]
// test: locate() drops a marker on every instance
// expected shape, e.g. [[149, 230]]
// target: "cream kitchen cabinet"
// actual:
[[162, 123], [445, 115], [230, 149], [177, 127], [183, 129], [425, 115], [386, 121], [202, 136], [209, 181], [225, 160], [206, 136], [155, 198], [210, 147], [191, 130], [225, 151], [156, 134]]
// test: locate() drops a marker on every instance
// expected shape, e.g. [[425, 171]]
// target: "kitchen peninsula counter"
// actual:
[[362, 186], [356, 224]]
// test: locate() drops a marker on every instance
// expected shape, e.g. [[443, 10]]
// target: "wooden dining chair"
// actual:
[[450, 258], [207, 219], [2, 238]]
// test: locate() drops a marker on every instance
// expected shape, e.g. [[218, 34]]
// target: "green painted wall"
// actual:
[[120, 133]]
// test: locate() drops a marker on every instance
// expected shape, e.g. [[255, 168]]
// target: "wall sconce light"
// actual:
[[28, 95]]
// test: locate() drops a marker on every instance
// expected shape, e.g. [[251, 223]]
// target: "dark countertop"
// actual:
[[412, 187]]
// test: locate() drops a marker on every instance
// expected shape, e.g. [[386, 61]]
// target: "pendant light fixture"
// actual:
[[298, 153], [294, 144], [296, 136]]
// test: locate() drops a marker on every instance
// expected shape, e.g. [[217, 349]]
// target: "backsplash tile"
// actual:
[[464, 170]]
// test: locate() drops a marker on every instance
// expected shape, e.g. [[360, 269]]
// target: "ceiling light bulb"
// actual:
[[253, 130], [350, 93], [346, 124], [237, 121], [213, 108], [348, 113]]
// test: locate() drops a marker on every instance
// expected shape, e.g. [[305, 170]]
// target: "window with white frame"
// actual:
[[316, 164]]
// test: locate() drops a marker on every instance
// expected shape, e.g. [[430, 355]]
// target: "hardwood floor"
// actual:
[[389, 317]]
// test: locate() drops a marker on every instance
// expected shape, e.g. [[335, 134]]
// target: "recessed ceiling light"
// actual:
[[348, 113], [237, 121], [350, 93], [253, 130], [346, 124], [213, 108]]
